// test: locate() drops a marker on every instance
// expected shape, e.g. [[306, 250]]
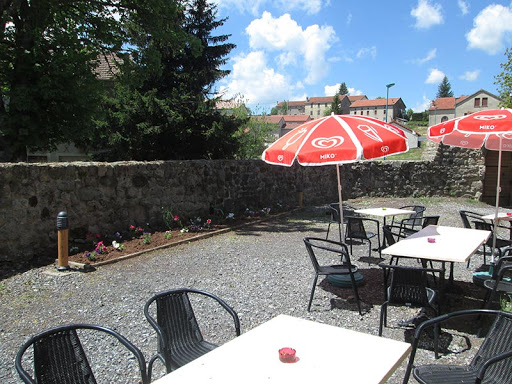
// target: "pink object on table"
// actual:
[[287, 355], [509, 213], [431, 240]]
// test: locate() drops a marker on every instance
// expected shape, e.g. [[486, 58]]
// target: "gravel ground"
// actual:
[[261, 270]]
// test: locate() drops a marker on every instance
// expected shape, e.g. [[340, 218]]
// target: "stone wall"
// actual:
[[106, 197]]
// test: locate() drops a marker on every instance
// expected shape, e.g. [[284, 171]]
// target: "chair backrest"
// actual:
[[414, 218], [314, 244], [355, 228], [407, 285], [59, 357], [388, 235], [430, 220], [334, 210], [497, 341], [468, 216], [176, 323], [485, 226]]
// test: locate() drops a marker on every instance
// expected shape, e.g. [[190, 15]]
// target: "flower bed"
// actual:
[[100, 249]]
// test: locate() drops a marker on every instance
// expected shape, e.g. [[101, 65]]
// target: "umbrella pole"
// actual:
[[340, 200], [498, 191]]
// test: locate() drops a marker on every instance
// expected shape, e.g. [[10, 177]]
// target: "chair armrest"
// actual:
[[489, 362]]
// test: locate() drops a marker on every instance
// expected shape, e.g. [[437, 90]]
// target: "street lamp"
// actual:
[[387, 96]]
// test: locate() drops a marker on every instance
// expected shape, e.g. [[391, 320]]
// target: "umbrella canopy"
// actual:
[[335, 140], [491, 128]]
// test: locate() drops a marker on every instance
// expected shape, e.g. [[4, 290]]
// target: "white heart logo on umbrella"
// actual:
[[490, 117], [442, 130], [384, 149], [280, 157], [327, 142], [464, 142]]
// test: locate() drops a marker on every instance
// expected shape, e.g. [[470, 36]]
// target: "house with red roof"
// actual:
[[376, 108], [445, 108], [316, 106]]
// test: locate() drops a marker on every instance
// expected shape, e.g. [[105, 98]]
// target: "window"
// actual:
[[361, 112], [484, 101], [444, 118], [477, 102], [367, 113], [375, 111]]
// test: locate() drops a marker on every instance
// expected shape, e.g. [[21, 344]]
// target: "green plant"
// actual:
[[147, 237], [168, 235], [168, 217], [506, 303], [117, 246]]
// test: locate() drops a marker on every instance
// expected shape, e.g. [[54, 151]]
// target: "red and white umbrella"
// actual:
[[491, 128], [336, 139]]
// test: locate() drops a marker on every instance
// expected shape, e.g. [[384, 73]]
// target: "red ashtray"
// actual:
[[287, 355], [431, 240]]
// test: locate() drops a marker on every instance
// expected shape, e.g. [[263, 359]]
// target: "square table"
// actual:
[[449, 244], [325, 352], [384, 212]]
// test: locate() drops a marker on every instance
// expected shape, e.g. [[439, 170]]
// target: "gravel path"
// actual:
[[262, 270]]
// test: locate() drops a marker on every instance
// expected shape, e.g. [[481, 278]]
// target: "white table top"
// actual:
[[383, 212], [452, 244], [325, 352], [501, 216]]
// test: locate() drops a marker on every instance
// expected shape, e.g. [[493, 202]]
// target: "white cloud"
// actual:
[[470, 75], [331, 90], [427, 14], [363, 52], [464, 6], [430, 55], [253, 7], [255, 81], [349, 19], [435, 76], [354, 92], [423, 105], [284, 34], [492, 29]]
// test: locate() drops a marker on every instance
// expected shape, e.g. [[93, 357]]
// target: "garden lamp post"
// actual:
[[62, 239], [387, 96]]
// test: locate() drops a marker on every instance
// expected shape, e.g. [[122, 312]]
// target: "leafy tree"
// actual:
[[168, 112], [274, 111], [343, 89], [409, 114], [254, 135], [48, 51], [504, 80], [284, 108], [444, 89]]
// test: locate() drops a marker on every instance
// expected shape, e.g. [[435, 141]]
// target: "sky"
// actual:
[[293, 49]]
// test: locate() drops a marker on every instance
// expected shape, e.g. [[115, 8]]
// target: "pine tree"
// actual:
[[445, 89], [343, 89]]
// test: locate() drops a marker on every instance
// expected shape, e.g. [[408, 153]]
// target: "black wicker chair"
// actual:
[[179, 337], [491, 364], [345, 268], [500, 243], [406, 285], [414, 219], [356, 230], [59, 356], [333, 210], [425, 222], [501, 281]]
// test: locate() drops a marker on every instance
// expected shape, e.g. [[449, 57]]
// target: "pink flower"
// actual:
[[132, 227], [139, 229], [176, 218], [209, 221], [98, 235]]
